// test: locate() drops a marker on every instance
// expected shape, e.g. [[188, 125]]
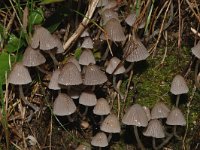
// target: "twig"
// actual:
[[196, 15], [195, 32], [179, 25], [82, 25]]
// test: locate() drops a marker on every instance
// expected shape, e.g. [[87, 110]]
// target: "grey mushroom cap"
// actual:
[[43, 39], [63, 105], [154, 129], [102, 3], [135, 116], [88, 98], [53, 84], [70, 75], [19, 75], [85, 33], [100, 140], [74, 61], [94, 76], [87, 57], [84, 146], [108, 14], [59, 45], [130, 19], [111, 124], [147, 111], [32, 58], [160, 110], [176, 117], [113, 63], [179, 85], [196, 50], [114, 30], [87, 43], [102, 107], [135, 51]]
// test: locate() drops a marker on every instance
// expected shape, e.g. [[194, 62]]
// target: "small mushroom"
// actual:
[[86, 58], [100, 140], [87, 43], [160, 110]]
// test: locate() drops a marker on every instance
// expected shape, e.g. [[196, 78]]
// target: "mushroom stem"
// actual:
[[115, 87], [85, 112], [175, 134], [164, 142], [138, 138], [109, 137], [196, 73], [154, 143], [106, 52], [21, 93], [70, 118], [42, 70], [129, 68], [55, 61], [177, 100]]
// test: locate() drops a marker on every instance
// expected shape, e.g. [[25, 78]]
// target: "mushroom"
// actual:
[[85, 33], [131, 18], [137, 117], [100, 140], [84, 146], [87, 98], [53, 84], [102, 3], [114, 30], [108, 14], [19, 75], [86, 58], [64, 106], [147, 111], [178, 87], [74, 61], [134, 51], [33, 58], [154, 130], [87, 43], [160, 110], [110, 125], [115, 67]]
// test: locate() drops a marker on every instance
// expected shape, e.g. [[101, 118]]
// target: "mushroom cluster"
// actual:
[[84, 77]]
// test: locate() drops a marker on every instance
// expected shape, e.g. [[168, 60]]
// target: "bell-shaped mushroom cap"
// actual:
[[111, 124], [94, 76], [88, 98], [154, 129], [86, 57], [108, 14], [74, 61], [63, 105], [84, 146], [130, 19], [70, 75], [102, 3], [100, 140], [135, 116], [87, 43], [59, 45], [110, 4], [179, 85], [147, 111], [113, 63], [19, 75], [53, 84], [135, 51], [160, 110], [85, 33], [102, 107], [114, 30], [196, 50], [32, 58], [176, 117], [43, 39]]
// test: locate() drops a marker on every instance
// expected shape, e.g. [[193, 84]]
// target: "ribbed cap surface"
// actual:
[[32, 58], [135, 51], [102, 3], [196, 50], [108, 14], [179, 85], [113, 63], [87, 43], [154, 129], [147, 111], [130, 19], [59, 45], [160, 110], [53, 84], [176, 117], [63, 105], [102, 107], [100, 140], [87, 57], [43, 39], [85, 33], [70, 75], [111, 124], [114, 30], [19, 75], [135, 116], [74, 61], [88, 98], [94, 76]]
